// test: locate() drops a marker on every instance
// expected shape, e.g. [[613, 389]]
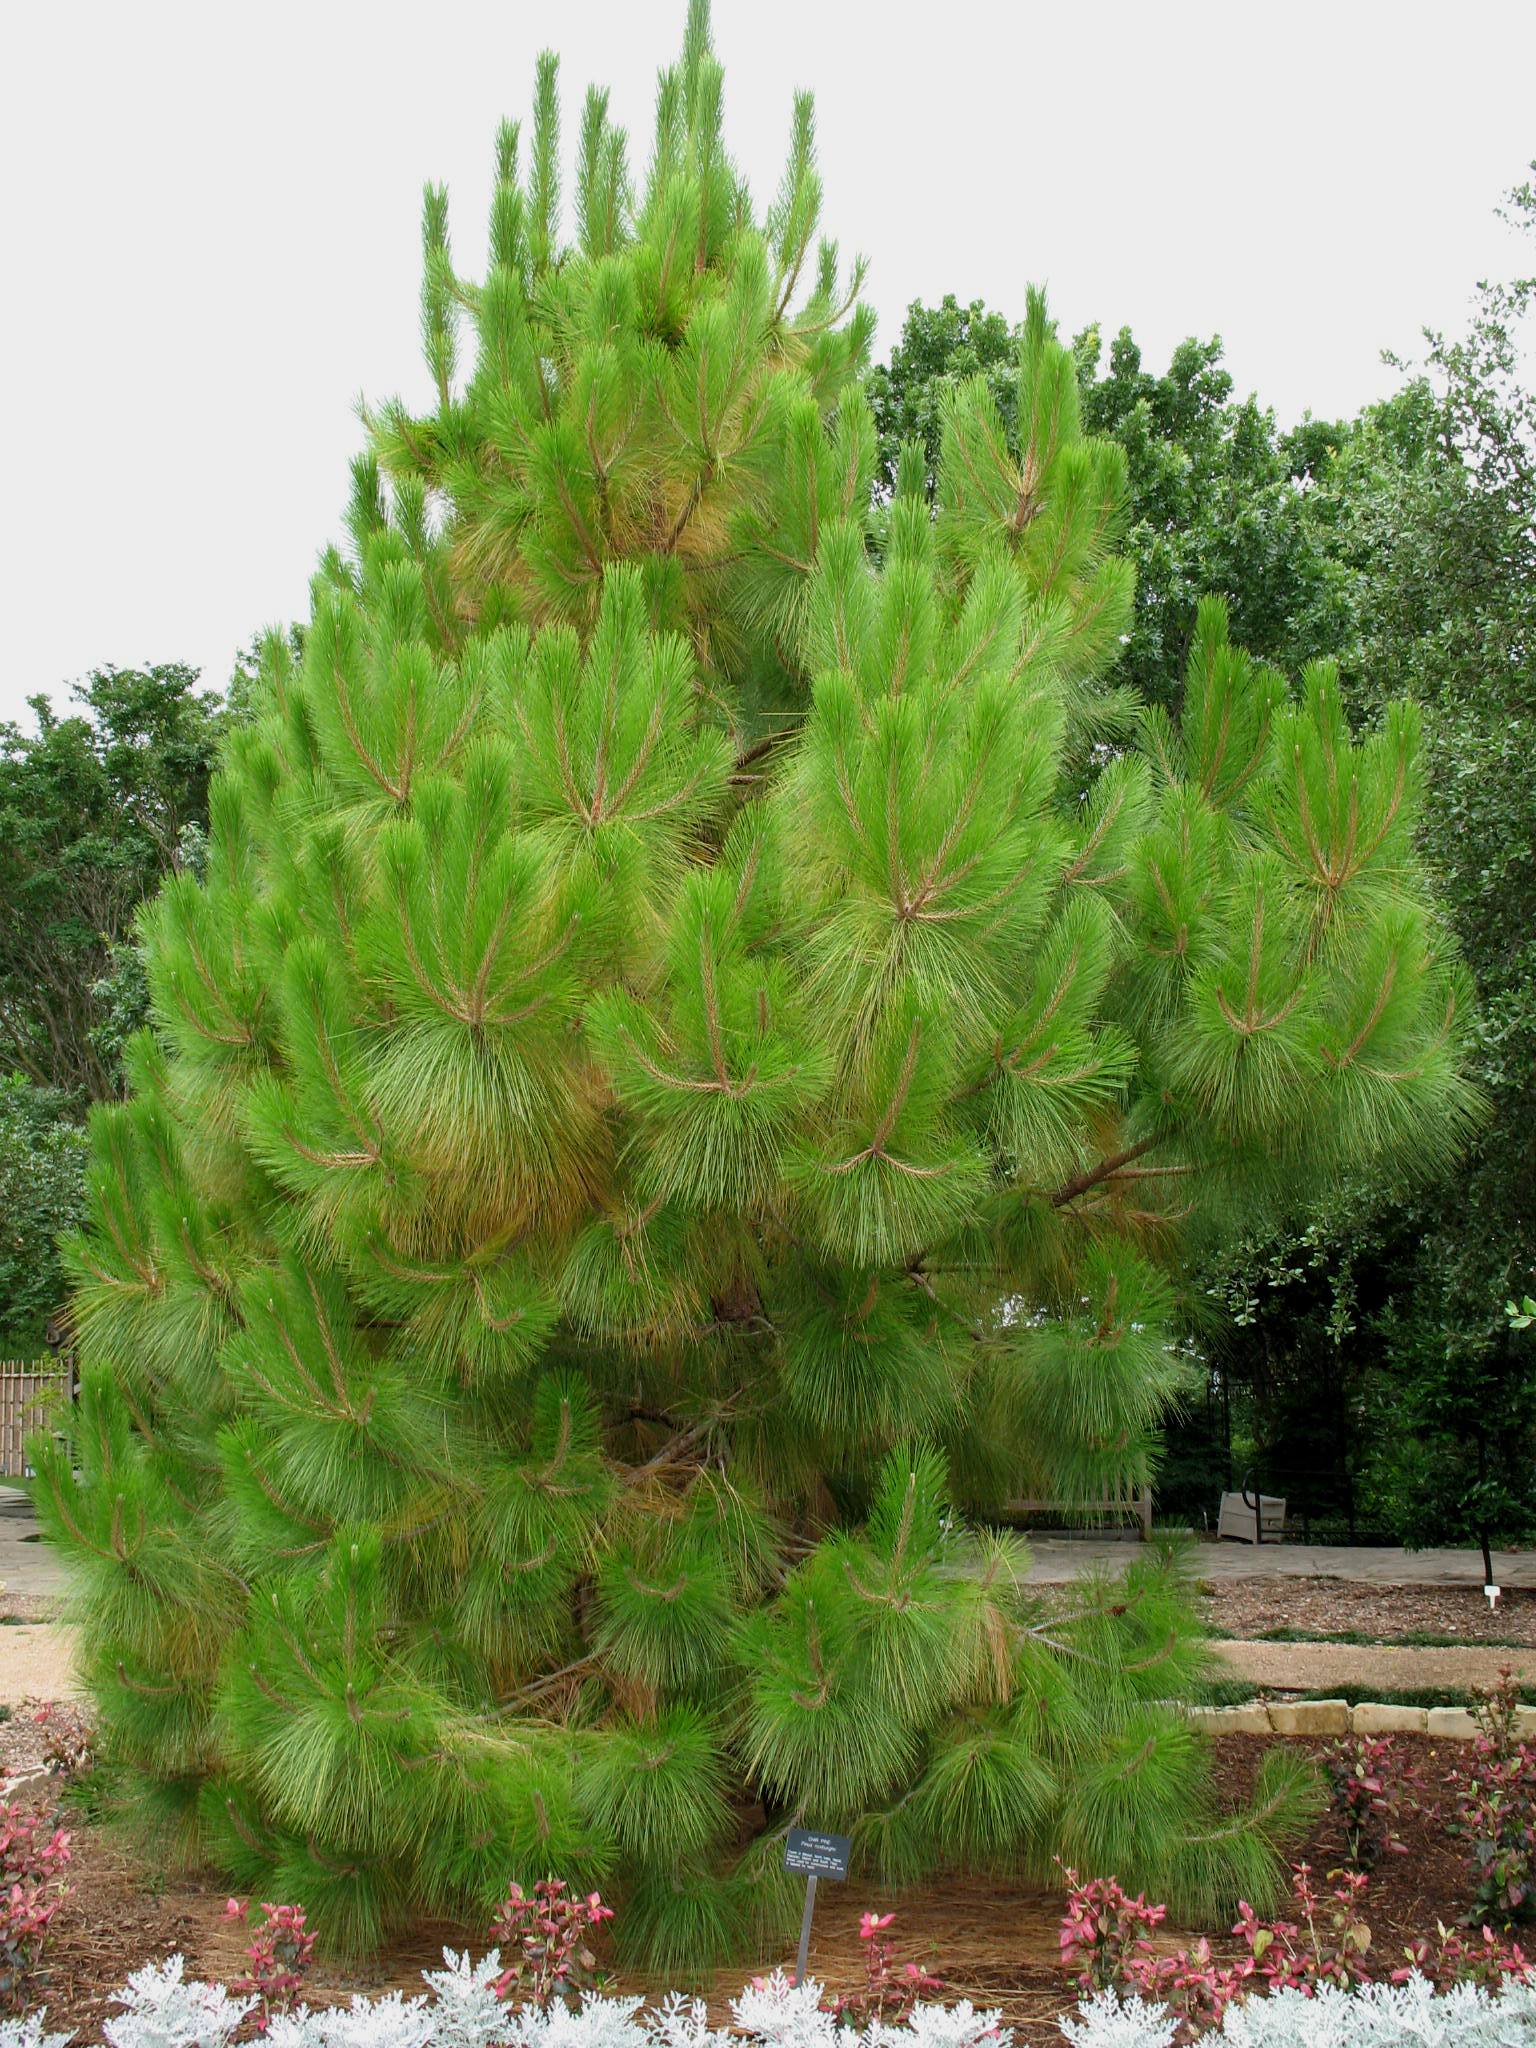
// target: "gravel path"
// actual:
[[36, 1662], [1389, 1667]]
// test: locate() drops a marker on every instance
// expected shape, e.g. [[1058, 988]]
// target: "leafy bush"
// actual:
[[1325, 1944], [32, 1854], [30, 2033], [1495, 1812], [1496, 1817], [43, 1155], [547, 1933], [162, 2010], [1408, 2015], [1104, 1931], [891, 1990], [1496, 1711], [1106, 1941], [69, 1741], [280, 1957], [1452, 1959], [1370, 1783]]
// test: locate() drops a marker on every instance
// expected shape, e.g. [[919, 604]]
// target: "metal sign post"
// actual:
[[816, 1856], [805, 1927]]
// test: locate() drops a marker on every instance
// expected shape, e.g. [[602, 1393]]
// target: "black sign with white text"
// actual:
[[811, 1855]]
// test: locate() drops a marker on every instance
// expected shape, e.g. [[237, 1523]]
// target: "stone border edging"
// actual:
[[1338, 1717]]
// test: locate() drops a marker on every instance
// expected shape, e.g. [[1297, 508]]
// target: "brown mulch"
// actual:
[[23, 1744], [1410, 1893], [1246, 1608], [992, 1940]]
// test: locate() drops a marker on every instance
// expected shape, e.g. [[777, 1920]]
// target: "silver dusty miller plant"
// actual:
[[163, 2008]]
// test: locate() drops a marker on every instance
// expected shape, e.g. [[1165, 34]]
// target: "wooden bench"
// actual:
[[1125, 1503]]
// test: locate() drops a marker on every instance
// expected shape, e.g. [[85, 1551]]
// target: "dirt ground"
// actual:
[[36, 1661], [1331, 1608], [23, 1745], [994, 1941]]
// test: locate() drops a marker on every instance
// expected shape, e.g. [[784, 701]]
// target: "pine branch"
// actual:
[[1106, 1169]]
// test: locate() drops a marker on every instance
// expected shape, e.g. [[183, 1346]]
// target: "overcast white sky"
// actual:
[[210, 228]]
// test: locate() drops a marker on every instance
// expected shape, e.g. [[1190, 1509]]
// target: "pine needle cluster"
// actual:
[[705, 1035]]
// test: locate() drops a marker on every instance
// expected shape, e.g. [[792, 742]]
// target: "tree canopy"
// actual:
[[93, 808], [42, 1161]]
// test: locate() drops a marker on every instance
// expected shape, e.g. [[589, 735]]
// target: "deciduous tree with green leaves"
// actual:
[[93, 809], [42, 1162], [1432, 509], [1428, 506], [669, 1105], [1216, 495]]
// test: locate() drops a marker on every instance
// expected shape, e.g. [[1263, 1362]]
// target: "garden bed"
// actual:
[[993, 1941], [1346, 1610]]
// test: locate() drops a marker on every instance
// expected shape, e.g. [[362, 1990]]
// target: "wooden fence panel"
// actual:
[[29, 1389]]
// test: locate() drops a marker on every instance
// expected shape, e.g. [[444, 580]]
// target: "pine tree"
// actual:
[[705, 1036]]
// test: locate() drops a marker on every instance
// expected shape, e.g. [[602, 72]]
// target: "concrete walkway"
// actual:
[[1058, 1559], [27, 1565], [36, 1657]]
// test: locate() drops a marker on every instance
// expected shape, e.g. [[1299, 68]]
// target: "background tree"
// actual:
[[1215, 493], [941, 347], [1461, 1466], [1429, 507], [42, 1191], [1400, 543], [1217, 501], [1433, 512], [94, 809], [92, 812], [669, 1102], [1299, 1356]]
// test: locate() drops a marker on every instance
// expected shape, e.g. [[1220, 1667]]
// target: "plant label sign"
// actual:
[[812, 1856]]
